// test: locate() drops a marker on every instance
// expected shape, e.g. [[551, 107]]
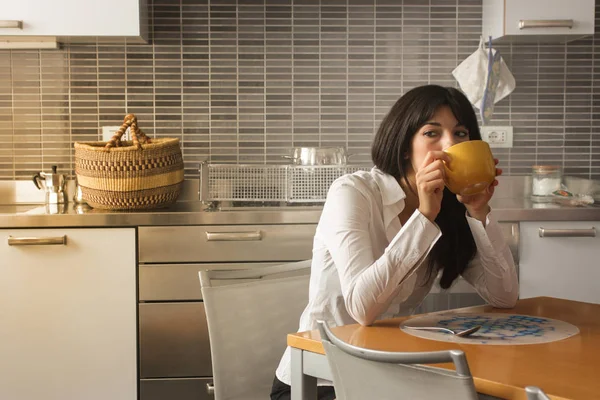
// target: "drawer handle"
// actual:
[[11, 24], [233, 236], [37, 241], [567, 232], [210, 388], [545, 23]]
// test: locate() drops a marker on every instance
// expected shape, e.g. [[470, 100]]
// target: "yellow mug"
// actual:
[[471, 168]]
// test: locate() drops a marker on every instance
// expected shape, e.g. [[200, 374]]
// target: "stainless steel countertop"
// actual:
[[510, 203], [194, 213], [183, 213]]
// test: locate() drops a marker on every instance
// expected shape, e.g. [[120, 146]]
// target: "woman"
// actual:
[[384, 235]]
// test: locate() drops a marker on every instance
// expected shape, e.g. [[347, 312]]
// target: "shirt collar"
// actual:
[[391, 191], [392, 197]]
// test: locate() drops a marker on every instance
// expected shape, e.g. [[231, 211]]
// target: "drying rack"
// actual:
[[270, 182]]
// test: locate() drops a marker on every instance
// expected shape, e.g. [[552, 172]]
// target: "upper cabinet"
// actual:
[[27, 22], [537, 20]]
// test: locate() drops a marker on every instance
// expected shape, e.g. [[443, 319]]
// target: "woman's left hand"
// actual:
[[477, 204]]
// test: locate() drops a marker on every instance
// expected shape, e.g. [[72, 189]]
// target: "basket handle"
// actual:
[[137, 135]]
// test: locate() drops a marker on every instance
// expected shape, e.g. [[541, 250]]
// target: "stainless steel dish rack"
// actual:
[[271, 182]]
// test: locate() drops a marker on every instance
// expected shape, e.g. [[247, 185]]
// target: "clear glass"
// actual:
[[545, 180]]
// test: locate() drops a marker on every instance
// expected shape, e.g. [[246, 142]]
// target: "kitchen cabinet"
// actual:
[[174, 340], [560, 259], [68, 314], [26, 23], [176, 389], [175, 354], [537, 20], [226, 243]]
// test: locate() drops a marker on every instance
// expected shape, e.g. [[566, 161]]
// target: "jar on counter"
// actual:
[[545, 180]]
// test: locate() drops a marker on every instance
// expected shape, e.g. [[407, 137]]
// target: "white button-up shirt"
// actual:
[[366, 265]]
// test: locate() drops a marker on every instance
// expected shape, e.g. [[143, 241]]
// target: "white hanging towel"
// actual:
[[484, 76]]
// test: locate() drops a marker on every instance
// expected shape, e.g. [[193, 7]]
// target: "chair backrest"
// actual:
[[535, 393], [360, 373], [249, 314]]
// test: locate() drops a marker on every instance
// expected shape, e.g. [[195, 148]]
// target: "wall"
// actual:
[[244, 81]]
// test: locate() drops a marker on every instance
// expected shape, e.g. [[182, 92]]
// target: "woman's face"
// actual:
[[439, 133]]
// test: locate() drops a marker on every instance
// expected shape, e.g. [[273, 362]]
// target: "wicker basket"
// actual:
[[129, 175]]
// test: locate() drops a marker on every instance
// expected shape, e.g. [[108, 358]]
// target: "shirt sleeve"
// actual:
[[368, 282], [492, 271]]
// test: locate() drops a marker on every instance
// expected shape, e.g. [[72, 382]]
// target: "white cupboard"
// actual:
[[72, 20], [68, 314], [560, 259], [537, 20]]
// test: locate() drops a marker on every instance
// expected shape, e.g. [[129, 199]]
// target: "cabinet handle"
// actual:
[[11, 24], [210, 388], [233, 236], [567, 232], [545, 23], [37, 241]]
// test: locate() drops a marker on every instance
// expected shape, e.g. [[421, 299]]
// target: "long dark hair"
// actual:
[[392, 143]]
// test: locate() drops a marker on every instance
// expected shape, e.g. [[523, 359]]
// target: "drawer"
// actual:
[[175, 389], [174, 340], [579, 12], [560, 259], [159, 282], [225, 243]]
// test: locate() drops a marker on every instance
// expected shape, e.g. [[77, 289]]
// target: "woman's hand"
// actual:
[[477, 204], [430, 181]]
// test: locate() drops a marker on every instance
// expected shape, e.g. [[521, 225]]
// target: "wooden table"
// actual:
[[564, 369]]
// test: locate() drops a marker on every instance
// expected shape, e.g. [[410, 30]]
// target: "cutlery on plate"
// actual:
[[464, 333]]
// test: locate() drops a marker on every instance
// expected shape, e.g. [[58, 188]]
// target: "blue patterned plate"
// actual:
[[496, 328]]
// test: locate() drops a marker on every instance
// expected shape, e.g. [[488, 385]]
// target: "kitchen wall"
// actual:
[[242, 81]]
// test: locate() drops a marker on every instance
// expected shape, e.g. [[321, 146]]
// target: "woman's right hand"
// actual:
[[430, 181]]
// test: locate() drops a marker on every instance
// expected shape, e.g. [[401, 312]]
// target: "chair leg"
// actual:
[[304, 387]]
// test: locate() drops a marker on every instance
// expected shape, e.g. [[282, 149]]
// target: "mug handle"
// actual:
[[447, 165]]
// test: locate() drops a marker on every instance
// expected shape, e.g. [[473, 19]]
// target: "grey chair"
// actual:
[[249, 314], [360, 373], [535, 393]]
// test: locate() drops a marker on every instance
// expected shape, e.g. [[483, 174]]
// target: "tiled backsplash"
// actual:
[[242, 81]]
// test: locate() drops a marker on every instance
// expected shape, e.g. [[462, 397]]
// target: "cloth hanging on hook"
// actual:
[[485, 79], [493, 78]]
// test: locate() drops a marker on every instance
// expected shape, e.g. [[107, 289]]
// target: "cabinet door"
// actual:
[[68, 315], [174, 340], [564, 263], [581, 12], [72, 17], [176, 389]]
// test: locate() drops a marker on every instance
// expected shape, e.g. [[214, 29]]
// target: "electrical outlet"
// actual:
[[497, 136], [109, 131]]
